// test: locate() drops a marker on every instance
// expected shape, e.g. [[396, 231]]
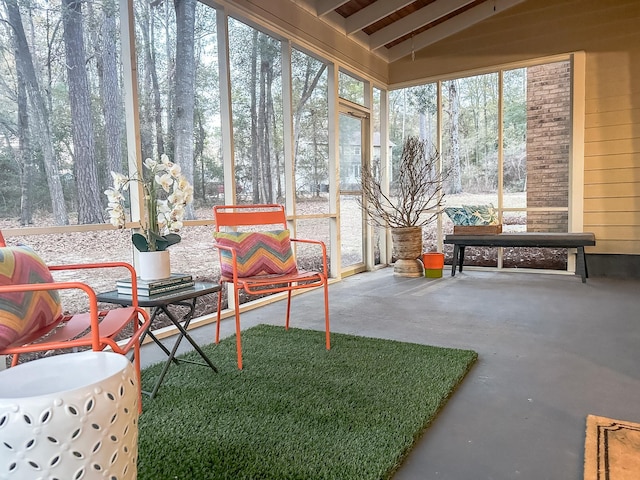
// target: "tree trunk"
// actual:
[[111, 98], [40, 113], [263, 137], [456, 173], [149, 91], [25, 154], [169, 143], [270, 122], [198, 154], [253, 84], [307, 90], [86, 172], [185, 89]]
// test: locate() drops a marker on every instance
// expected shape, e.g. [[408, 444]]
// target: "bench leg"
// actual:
[[461, 259], [454, 262], [585, 272]]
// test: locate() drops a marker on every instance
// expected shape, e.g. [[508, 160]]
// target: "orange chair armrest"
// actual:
[[325, 268], [86, 266]]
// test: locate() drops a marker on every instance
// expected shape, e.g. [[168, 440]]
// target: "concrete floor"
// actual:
[[551, 350]]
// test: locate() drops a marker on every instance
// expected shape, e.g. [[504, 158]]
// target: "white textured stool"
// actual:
[[69, 417]]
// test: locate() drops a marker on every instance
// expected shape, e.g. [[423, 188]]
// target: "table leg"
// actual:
[[154, 315], [461, 259], [161, 345], [183, 333]]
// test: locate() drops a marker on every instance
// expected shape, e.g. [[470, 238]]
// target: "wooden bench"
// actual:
[[525, 239]]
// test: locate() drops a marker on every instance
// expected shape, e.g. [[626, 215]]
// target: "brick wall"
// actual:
[[548, 137]]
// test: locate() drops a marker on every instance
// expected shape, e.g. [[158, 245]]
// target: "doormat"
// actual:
[[611, 449]]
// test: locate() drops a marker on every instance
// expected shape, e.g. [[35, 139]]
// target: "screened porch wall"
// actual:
[[608, 34]]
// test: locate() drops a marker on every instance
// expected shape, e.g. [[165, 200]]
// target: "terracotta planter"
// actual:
[[407, 248]]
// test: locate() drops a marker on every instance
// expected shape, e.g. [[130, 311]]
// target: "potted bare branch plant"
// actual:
[[413, 201]]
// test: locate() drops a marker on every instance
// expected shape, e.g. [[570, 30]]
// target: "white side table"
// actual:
[[69, 416]]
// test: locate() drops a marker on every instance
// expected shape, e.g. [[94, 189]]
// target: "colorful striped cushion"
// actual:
[[258, 253], [22, 313]]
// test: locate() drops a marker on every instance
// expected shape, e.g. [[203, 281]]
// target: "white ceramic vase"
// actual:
[[154, 265], [69, 416]]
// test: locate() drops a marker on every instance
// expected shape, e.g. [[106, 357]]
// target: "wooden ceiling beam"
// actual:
[[373, 13], [450, 27], [417, 19], [325, 6]]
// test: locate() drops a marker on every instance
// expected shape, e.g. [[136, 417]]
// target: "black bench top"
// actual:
[[524, 239]]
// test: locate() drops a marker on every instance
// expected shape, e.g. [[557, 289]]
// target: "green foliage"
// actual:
[[297, 410], [470, 126], [162, 241], [350, 88], [10, 192]]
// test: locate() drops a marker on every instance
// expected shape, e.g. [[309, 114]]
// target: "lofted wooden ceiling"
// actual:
[[395, 28]]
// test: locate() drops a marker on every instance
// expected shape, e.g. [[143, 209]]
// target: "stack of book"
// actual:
[[149, 288]]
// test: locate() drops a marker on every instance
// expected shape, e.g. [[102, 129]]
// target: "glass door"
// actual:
[[352, 149]]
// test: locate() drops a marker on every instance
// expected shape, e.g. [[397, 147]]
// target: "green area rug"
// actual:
[[296, 411]]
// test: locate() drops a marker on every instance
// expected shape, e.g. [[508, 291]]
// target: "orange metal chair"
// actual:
[[259, 219], [96, 330]]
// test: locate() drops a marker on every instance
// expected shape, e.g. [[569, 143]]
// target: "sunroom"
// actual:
[[531, 105], [292, 115]]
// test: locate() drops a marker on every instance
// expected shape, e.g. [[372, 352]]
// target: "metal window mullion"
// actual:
[[439, 164], [132, 113], [385, 168], [500, 157], [334, 173], [287, 130], [228, 163]]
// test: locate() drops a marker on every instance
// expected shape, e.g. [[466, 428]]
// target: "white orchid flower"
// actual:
[[177, 212], [188, 194], [176, 226], [113, 196], [167, 207], [116, 216], [165, 181], [119, 180], [150, 163], [163, 206], [175, 171], [183, 183], [177, 197]]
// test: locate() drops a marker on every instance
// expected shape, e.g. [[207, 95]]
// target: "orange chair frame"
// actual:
[[262, 215], [96, 329]]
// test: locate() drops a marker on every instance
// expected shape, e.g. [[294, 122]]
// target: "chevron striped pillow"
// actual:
[[22, 313], [258, 253]]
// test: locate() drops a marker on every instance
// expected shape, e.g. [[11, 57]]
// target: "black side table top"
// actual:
[[197, 290]]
